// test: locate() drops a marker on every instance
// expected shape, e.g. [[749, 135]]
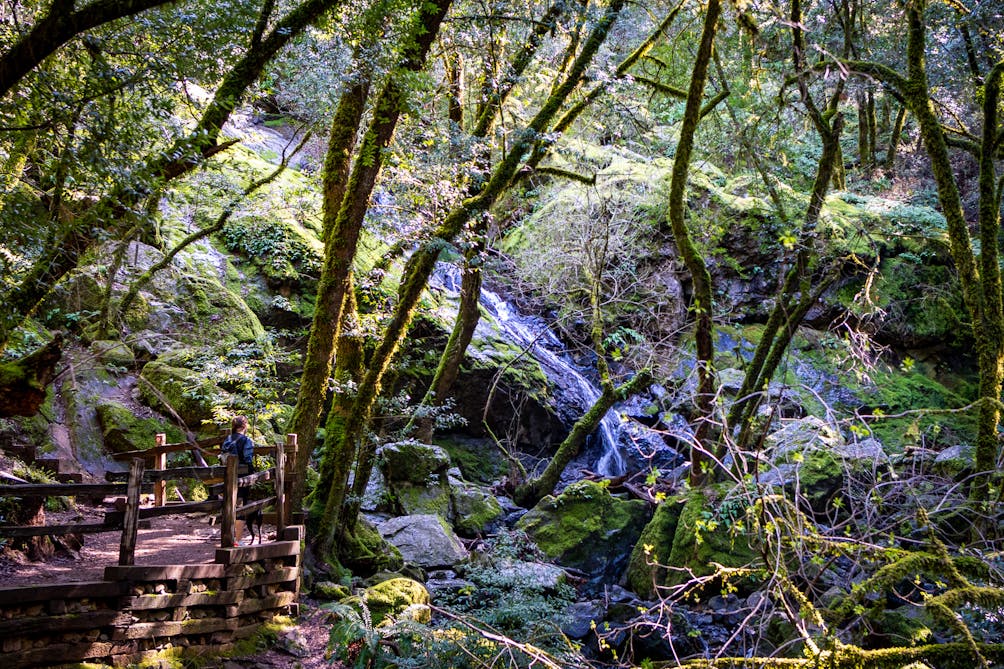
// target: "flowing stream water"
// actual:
[[534, 336]]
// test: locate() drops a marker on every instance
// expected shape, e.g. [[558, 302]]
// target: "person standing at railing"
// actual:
[[239, 444]]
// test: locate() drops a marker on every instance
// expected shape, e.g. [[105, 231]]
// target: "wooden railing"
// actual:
[[138, 480]]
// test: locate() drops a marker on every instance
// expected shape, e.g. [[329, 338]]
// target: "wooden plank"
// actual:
[[293, 533], [66, 652], [228, 516], [62, 489], [164, 572], [56, 530], [245, 554], [254, 605], [174, 628], [151, 602], [209, 506], [65, 623], [43, 593], [160, 462], [282, 575], [280, 488], [203, 444], [127, 547], [175, 473], [252, 506]]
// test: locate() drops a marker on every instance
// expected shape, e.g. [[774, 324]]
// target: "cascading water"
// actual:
[[533, 335]]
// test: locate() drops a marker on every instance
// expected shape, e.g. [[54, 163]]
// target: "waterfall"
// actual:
[[534, 335]]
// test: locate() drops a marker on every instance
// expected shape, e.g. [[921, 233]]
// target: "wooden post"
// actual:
[[229, 514], [280, 490], [160, 462], [291, 448], [130, 524]]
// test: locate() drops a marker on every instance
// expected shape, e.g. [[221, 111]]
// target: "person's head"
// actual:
[[238, 424]]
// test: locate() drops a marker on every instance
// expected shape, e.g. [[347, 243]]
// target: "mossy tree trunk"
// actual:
[[23, 382], [420, 265], [979, 274], [797, 294], [343, 236], [333, 286], [698, 269], [894, 137]]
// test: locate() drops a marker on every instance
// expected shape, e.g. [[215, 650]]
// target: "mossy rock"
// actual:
[[415, 499], [365, 551], [412, 461], [476, 511], [707, 533], [587, 528], [654, 546], [190, 394], [398, 598], [219, 315], [122, 430], [899, 627], [478, 459], [113, 352], [330, 591]]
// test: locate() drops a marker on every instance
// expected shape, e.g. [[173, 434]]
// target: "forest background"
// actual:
[[738, 217]]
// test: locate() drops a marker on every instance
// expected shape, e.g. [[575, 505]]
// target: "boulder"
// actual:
[[425, 540], [581, 618], [122, 430], [411, 461], [398, 598], [366, 551], [708, 532], [190, 394], [587, 528], [476, 510], [113, 352], [419, 499]]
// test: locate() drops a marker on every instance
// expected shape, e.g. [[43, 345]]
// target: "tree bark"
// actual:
[[23, 382], [894, 137], [695, 264]]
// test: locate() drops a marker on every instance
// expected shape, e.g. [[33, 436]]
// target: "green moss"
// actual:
[[366, 551], [330, 591], [708, 533], [896, 628], [122, 430], [654, 546], [475, 510], [220, 316], [395, 596], [478, 461], [585, 526], [188, 393]]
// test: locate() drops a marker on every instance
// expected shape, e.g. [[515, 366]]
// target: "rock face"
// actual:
[[587, 528], [424, 540], [188, 393]]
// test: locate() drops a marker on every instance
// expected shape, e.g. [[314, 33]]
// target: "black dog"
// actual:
[[252, 518]]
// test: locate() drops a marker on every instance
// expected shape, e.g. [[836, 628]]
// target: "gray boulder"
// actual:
[[425, 540]]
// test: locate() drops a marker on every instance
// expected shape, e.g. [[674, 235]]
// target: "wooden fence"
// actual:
[[138, 479], [144, 612]]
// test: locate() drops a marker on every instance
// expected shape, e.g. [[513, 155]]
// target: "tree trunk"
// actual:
[[695, 264], [531, 492], [23, 382], [894, 136], [332, 290]]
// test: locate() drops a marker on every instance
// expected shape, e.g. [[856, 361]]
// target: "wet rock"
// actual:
[[581, 618]]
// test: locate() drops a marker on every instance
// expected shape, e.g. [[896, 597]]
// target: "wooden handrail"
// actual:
[[174, 473], [66, 489]]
